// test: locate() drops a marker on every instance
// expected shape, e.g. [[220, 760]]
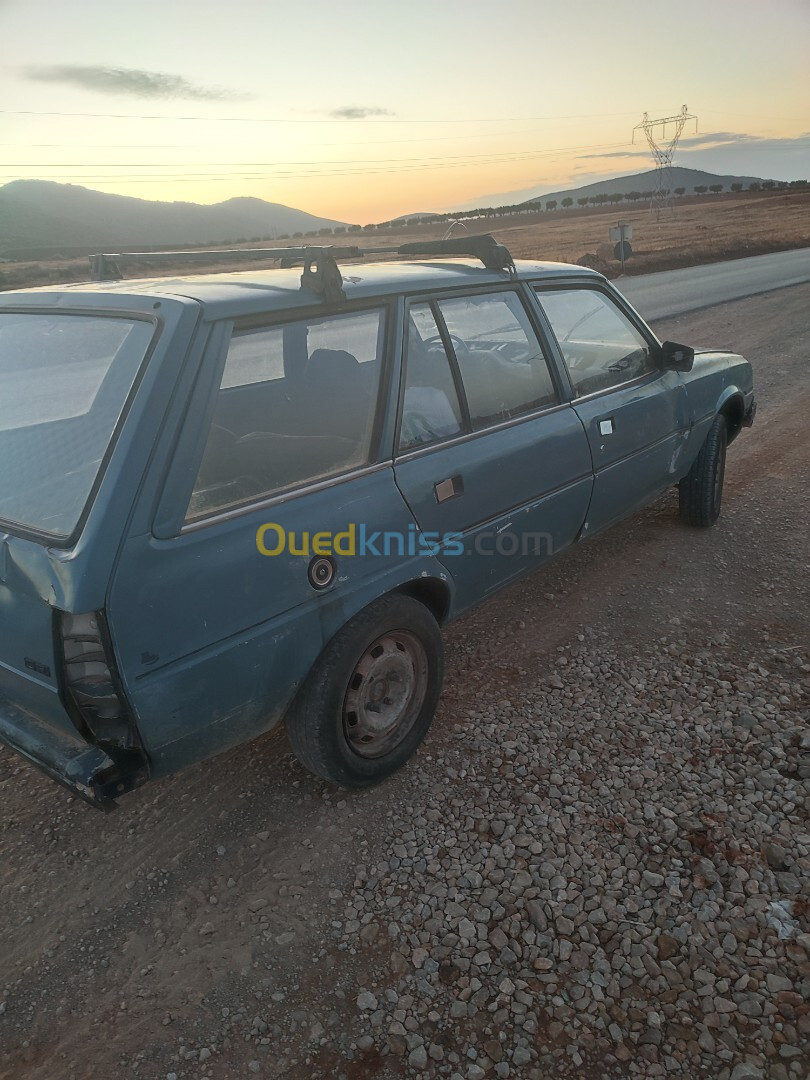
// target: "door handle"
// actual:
[[449, 488]]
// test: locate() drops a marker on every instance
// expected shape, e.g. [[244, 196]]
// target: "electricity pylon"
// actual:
[[662, 153]]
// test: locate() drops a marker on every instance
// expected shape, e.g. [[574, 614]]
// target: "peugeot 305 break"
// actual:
[[229, 501]]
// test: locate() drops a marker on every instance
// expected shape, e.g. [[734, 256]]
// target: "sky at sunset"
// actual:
[[363, 111]]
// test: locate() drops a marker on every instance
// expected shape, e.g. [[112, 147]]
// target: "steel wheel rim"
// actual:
[[385, 694]]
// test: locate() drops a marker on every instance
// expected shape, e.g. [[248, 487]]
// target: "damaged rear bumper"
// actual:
[[87, 771], [750, 413]]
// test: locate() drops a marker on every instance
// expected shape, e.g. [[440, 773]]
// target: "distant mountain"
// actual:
[[48, 217], [645, 181]]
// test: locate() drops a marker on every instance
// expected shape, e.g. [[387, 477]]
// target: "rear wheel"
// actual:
[[701, 490], [369, 700]]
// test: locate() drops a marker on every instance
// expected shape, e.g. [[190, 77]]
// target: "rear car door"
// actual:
[[487, 449], [278, 470], [635, 413]]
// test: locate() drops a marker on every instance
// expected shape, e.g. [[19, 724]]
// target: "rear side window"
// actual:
[[296, 404], [503, 369], [64, 382], [600, 345]]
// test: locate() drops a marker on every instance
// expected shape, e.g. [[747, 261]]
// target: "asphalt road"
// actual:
[[673, 292]]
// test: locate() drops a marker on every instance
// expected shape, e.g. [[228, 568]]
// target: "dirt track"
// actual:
[[201, 914]]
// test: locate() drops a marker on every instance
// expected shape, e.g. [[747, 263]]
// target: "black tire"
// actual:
[[701, 490], [395, 647]]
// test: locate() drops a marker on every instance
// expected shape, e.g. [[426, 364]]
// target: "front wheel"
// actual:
[[701, 490], [370, 698]]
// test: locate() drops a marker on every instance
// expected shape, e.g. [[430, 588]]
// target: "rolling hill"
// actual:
[[645, 181], [39, 217]]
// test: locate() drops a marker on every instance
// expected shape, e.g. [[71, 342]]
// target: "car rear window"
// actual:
[[296, 404], [64, 381]]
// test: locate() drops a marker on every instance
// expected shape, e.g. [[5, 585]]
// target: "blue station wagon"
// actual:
[[233, 500]]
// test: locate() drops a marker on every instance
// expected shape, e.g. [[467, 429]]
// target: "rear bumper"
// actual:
[[87, 771], [750, 413]]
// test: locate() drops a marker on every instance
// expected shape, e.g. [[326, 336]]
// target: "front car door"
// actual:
[[487, 448], [634, 412]]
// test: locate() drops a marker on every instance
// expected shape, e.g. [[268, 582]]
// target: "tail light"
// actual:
[[92, 688]]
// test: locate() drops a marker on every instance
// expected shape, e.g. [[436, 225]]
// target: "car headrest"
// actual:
[[332, 367]]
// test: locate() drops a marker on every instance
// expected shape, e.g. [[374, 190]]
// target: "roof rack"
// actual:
[[321, 273]]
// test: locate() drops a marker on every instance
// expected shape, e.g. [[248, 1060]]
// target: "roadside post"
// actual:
[[621, 234]]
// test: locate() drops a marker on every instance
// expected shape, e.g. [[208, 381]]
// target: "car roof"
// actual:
[[230, 295]]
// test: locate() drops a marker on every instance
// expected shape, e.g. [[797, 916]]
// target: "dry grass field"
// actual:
[[700, 229]]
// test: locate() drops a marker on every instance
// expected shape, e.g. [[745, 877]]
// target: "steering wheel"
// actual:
[[511, 352], [580, 321], [461, 347]]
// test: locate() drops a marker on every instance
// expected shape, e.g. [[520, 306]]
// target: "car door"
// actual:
[[634, 412], [487, 448], [217, 605]]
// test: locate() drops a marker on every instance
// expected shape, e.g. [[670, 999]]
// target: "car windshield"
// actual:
[[64, 380]]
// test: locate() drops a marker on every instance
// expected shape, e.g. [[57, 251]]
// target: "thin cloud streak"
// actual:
[[134, 82], [359, 112], [615, 154], [725, 140]]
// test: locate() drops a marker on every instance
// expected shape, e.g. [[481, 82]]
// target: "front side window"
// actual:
[[296, 404], [431, 410], [503, 369], [64, 382], [600, 345]]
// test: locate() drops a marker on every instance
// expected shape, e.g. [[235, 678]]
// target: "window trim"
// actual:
[[455, 366], [433, 300], [254, 324], [539, 289], [639, 380]]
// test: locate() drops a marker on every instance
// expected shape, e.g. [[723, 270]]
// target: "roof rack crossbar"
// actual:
[[485, 247], [325, 279], [321, 272]]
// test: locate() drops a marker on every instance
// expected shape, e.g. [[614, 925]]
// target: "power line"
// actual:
[[512, 155], [324, 161], [753, 116], [179, 178], [400, 165], [205, 146], [327, 120], [343, 142], [197, 177], [421, 164]]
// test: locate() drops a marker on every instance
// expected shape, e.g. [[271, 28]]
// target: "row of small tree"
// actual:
[[582, 202], [540, 206]]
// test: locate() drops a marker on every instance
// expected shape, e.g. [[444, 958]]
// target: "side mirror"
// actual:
[[675, 357]]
